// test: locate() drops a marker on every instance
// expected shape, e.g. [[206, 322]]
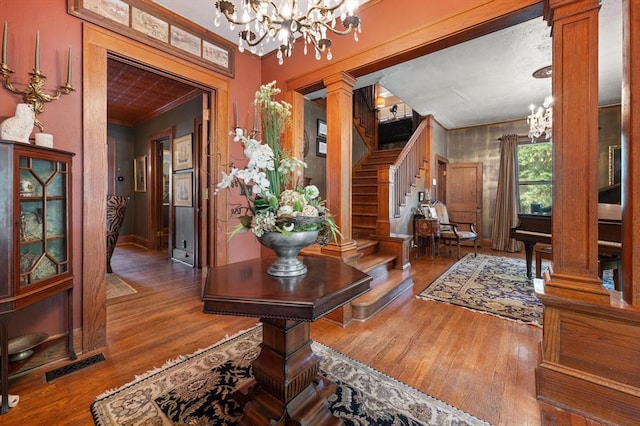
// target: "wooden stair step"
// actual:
[[366, 246], [384, 290], [373, 262]]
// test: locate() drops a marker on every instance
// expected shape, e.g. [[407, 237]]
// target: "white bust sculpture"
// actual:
[[19, 127]]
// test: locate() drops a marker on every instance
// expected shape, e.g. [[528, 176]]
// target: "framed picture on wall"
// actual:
[[140, 174], [183, 152], [321, 147], [322, 128], [183, 189]]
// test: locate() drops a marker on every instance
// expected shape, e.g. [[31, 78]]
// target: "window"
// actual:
[[535, 172]]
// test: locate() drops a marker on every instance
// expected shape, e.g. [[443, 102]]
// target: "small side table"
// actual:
[[428, 228], [287, 387]]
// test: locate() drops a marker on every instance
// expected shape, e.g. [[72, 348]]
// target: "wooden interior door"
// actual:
[[464, 194]]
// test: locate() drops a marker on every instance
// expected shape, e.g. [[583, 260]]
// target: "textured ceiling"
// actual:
[[135, 95]]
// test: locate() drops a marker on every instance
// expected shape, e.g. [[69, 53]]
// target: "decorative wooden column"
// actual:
[[575, 151], [339, 155], [631, 153], [590, 350]]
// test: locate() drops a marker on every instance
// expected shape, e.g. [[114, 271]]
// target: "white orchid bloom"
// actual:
[[262, 158], [227, 179], [239, 135]]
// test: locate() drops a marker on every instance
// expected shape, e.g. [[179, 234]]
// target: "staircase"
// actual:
[[389, 280], [364, 192], [382, 252]]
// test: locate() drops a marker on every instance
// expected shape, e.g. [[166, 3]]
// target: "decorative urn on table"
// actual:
[[284, 215]]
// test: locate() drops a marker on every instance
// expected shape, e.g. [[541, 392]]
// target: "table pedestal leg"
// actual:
[[288, 388]]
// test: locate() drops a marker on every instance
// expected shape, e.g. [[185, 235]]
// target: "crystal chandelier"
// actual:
[[263, 21], [540, 120]]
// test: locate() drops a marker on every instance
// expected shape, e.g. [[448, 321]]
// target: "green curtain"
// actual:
[[506, 199]]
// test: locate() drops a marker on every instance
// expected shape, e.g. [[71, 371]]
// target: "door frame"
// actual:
[[441, 178], [155, 188], [98, 44]]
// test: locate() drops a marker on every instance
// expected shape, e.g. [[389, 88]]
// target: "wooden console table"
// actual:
[[287, 385], [427, 228]]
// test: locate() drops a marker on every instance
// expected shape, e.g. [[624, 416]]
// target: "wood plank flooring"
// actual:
[[478, 363]]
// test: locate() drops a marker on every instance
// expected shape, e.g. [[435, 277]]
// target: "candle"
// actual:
[[69, 67], [37, 59], [235, 115], [255, 118], [4, 44]]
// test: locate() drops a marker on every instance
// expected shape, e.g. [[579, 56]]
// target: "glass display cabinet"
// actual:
[[35, 245]]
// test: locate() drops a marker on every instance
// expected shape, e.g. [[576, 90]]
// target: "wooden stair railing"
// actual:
[[396, 180], [365, 117]]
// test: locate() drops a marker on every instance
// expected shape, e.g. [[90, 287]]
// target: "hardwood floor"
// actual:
[[481, 364]]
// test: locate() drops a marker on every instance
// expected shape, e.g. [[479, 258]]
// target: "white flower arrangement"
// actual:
[[274, 202]]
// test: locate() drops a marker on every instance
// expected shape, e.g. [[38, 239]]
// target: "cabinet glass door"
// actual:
[[43, 204]]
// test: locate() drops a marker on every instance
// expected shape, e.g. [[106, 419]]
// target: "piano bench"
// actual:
[[542, 252]]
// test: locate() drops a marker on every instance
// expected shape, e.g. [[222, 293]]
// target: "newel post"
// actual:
[[386, 190]]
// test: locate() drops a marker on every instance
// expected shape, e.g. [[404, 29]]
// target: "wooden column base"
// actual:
[[347, 251], [590, 359], [287, 387]]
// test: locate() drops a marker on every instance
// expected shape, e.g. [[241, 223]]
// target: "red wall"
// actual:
[[62, 118]]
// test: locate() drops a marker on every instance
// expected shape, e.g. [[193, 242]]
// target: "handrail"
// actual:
[[395, 181]]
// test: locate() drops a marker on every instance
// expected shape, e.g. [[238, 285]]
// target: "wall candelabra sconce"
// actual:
[[35, 93]]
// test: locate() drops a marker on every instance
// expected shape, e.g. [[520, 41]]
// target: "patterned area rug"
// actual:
[[117, 287], [490, 284], [196, 389]]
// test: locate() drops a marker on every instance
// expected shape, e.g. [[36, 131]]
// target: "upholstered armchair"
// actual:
[[116, 207], [455, 232]]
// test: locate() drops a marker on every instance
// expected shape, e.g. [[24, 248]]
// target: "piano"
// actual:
[[536, 228]]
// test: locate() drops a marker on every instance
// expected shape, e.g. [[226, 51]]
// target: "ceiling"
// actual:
[[135, 95], [482, 81]]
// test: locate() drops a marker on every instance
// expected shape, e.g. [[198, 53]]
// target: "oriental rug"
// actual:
[[196, 390], [494, 285], [117, 287]]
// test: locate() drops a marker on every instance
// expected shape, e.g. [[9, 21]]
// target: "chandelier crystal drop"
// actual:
[[282, 20], [540, 120]]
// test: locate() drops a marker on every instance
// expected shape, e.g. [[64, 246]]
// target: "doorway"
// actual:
[[98, 45], [161, 171]]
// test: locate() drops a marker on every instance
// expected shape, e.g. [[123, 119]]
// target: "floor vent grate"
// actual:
[[73, 367]]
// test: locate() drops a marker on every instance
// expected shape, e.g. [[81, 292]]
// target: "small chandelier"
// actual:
[[540, 120], [263, 21]]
